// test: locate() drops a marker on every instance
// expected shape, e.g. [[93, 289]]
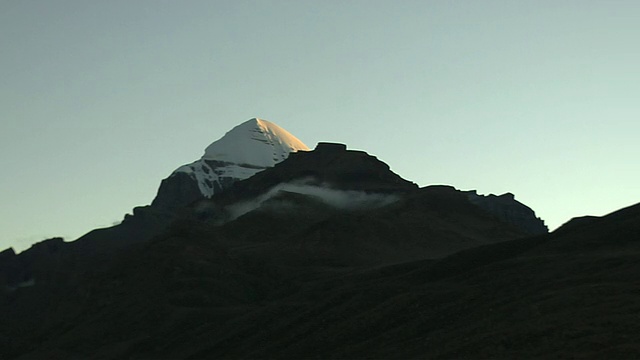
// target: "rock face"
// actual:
[[247, 149], [506, 208], [17, 271], [329, 165], [177, 190], [9, 269]]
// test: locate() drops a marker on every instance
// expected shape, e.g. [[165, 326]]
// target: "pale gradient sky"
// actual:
[[101, 100]]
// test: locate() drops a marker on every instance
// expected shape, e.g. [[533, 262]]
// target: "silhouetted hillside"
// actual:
[[327, 254]]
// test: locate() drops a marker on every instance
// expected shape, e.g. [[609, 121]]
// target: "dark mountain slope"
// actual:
[[549, 296], [330, 165], [313, 257], [199, 292], [431, 223], [199, 281]]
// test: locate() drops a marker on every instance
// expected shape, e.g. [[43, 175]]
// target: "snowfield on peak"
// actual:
[[245, 150], [349, 200], [255, 142]]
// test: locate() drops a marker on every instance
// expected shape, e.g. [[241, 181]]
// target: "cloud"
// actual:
[[340, 199]]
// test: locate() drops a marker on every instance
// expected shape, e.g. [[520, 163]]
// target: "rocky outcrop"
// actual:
[[329, 165], [10, 269], [177, 190], [18, 271], [182, 188], [506, 208]]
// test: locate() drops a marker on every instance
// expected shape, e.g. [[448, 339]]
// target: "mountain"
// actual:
[[204, 291], [312, 238], [242, 152], [245, 150]]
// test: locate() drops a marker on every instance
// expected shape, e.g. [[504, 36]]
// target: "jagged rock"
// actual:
[[177, 190], [37, 261], [329, 165], [9, 269], [511, 211]]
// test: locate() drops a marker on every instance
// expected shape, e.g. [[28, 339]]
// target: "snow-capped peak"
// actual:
[[245, 150], [255, 142]]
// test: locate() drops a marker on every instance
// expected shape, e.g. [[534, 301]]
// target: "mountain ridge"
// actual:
[[243, 151], [277, 240], [533, 297]]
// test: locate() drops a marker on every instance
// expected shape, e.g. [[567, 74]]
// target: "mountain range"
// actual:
[[264, 248]]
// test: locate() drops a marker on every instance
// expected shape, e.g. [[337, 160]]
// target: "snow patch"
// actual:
[[206, 177]]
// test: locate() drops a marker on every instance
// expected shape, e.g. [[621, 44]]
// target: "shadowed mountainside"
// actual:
[[313, 257], [199, 292]]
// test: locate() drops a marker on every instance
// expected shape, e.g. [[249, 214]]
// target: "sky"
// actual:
[[101, 100]]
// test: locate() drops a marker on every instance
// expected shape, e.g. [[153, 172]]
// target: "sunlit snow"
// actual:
[[246, 149], [255, 142]]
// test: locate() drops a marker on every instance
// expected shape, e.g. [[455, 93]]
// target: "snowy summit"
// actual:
[[246, 149], [255, 142]]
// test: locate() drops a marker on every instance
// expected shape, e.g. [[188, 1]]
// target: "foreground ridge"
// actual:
[[323, 252]]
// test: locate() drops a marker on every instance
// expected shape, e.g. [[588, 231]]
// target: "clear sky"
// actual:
[[101, 100]]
